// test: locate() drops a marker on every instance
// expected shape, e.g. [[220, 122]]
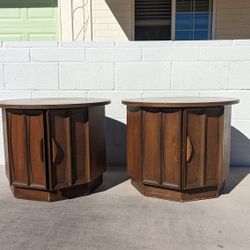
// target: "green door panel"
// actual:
[[29, 20]]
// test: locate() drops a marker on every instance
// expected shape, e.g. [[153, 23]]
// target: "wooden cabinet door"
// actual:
[[26, 148], [60, 149], [69, 147], [161, 146], [203, 146]]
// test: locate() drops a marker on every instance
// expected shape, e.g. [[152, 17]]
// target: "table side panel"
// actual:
[[151, 146], [6, 144], [97, 141], [80, 146], [134, 130], [226, 144], [214, 143]]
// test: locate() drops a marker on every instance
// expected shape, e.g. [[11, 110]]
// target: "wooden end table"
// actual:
[[179, 148], [54, 148]]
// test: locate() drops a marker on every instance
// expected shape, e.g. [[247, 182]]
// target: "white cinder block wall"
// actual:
[[132, 69]]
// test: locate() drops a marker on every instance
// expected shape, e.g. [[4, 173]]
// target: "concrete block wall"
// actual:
[[131, 69]]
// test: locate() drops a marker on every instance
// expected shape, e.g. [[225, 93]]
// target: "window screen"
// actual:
[[193, 19], [152, 19]]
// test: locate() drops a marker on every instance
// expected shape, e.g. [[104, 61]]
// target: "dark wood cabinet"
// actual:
[[179, 148], [54, 151]]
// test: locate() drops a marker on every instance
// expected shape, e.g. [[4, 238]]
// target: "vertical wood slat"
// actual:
[[59, 135], [151, 146], [97, 141], [214, 141], [134, 119], [49, 149], [36, 140], [196, 131], [6, 144], [69, 147], [16, 125], [172, 147], [80, 146], [226, 128]]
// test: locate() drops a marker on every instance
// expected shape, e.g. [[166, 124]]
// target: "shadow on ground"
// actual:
[[116, 143], [113, 177], [240, 148], [116, 176], [235, 177]]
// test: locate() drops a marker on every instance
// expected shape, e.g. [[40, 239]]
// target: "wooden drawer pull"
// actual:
[[189, 150]]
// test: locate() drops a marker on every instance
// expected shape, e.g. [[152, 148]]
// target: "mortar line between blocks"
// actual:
[[199, 60], [114, 76], [58, 74], [29, 54], [85, 55], [4, 80], [171, 75]]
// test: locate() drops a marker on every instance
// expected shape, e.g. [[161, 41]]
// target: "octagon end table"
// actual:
[[54, 148], [179, 148]]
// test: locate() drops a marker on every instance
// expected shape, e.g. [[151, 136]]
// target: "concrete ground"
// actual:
[[118, 217]]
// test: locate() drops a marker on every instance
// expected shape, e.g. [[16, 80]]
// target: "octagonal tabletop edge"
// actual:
[[180, 102], [48, 103]]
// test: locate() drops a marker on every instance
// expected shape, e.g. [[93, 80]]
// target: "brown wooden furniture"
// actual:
[[179, 148], [54, 148]]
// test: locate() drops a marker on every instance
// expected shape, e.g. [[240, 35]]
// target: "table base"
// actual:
[[178, 195], [50, 196]]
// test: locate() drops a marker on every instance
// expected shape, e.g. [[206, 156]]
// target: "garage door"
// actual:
[[28, 20]]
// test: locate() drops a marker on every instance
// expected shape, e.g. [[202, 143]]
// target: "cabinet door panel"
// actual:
[[59, 137], [196, 134], [16, 124], [37, 157], [80, 146], [205, 131], [134, 142], [172, 151], [151, 146]]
